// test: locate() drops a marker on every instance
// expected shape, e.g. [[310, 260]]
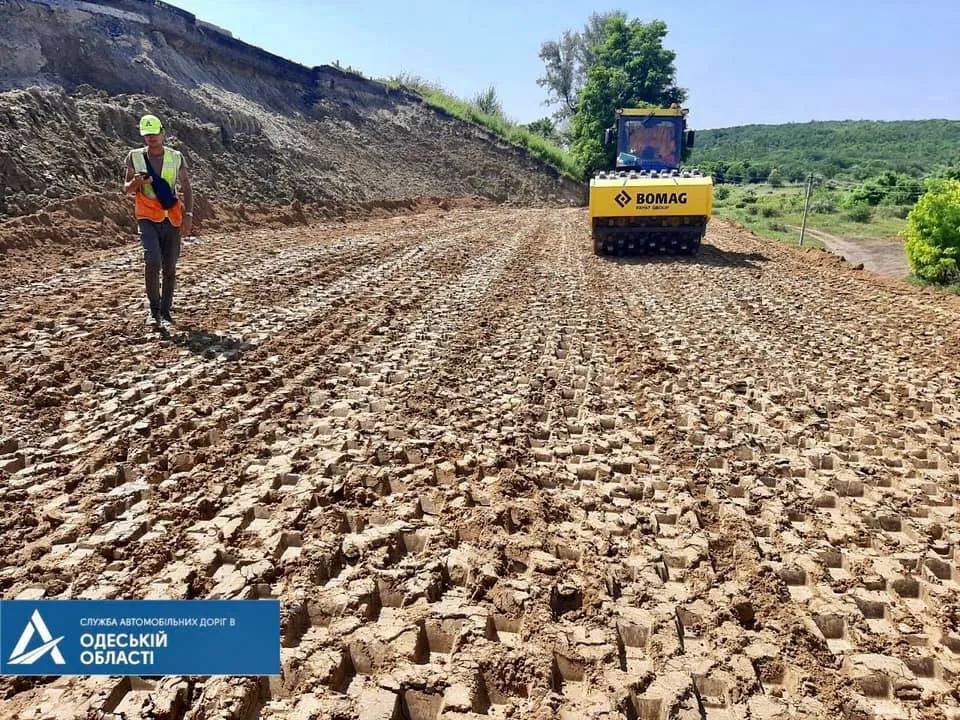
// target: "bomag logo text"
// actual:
[[662, 198]]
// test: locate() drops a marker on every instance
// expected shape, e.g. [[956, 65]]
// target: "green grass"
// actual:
[[775, 212], [509, 131], [785, 208]]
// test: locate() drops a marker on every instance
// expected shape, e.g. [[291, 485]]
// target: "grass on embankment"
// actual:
[[511, 132]]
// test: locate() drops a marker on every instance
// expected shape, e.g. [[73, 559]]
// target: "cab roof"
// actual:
[[646, 112]]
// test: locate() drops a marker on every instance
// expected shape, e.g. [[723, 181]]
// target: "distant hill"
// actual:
[[852, 149]]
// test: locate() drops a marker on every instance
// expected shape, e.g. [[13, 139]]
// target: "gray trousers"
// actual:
[[161, 250]]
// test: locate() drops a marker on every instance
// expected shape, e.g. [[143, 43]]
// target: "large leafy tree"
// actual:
[[568, 61], [562, 77], [631, 68]]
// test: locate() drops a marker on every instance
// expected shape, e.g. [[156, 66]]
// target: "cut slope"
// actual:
[[254, 127]]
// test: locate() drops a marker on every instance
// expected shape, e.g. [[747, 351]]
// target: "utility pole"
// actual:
[[806, 208]]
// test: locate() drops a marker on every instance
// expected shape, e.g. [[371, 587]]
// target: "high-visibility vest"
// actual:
[[148, 207]]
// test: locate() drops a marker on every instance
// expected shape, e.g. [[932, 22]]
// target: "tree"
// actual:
[[775, 178], [887, 189], [631, 69], [544, 127], [488, 102], [933, 233], [593, 37], [794, 174], [562, 78], [951, 173], [757, 173], [568, 62]]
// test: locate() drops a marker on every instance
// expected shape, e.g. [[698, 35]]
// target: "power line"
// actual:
[[872, 190]]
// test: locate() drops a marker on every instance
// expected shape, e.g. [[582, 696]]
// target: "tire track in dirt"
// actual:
[[441, 487], [499, 476], [43, 343], [35, 365], [818, 520], [398, 295], [124, 444], [383, 566]]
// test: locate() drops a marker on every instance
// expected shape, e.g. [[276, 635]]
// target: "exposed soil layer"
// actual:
[[76, 76]]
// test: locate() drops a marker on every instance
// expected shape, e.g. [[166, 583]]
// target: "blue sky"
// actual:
[[742, 61]]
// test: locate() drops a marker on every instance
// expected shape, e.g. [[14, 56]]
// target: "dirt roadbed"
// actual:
[[489, 474]]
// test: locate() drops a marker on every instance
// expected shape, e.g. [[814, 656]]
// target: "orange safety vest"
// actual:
[[147, 206]]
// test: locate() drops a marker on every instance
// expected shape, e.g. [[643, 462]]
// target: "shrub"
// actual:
[[860, 213], [749, 196], [887, 189], [488, 102], [752, 210], [722, 192], [823, 206], [792, 201], [740, 205], [933, 233], [778, 227], [870, 193], [769, 212]]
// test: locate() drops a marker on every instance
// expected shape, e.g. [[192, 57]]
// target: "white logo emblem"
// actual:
[[38, 626]]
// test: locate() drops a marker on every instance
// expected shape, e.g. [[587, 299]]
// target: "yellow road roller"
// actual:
[[649, 203]]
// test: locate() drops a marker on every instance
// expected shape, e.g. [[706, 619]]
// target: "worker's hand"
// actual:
[[186, 227], [136, 182]]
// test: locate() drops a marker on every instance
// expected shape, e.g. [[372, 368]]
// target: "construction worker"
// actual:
[[153, 174]]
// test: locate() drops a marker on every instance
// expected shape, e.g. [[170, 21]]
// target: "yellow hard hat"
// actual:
[[150, 125]]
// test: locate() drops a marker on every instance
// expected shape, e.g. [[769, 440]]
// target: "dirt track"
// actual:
[[490, 474], [880, 255]]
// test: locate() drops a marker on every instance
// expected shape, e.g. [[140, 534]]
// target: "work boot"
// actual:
[[165, 314]]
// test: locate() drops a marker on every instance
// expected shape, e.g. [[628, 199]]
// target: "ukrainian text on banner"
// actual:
[[140, 637]]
